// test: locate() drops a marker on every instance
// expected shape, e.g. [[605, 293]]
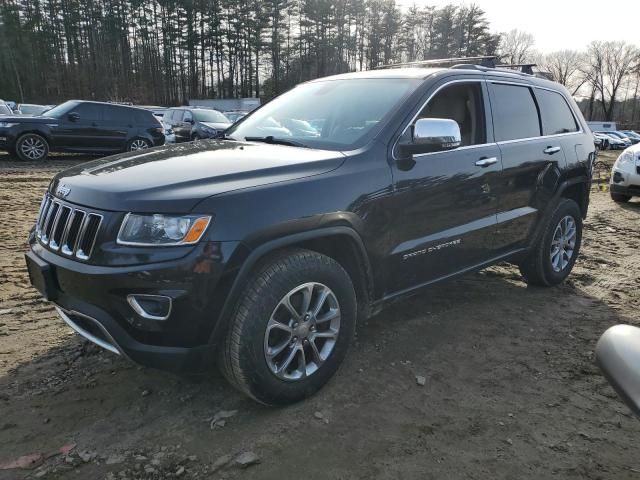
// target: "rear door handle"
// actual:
[[485, 162], [551, 150]]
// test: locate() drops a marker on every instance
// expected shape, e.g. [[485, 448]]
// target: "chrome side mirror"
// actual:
[[432, 135], [439, 133], [618, 355]]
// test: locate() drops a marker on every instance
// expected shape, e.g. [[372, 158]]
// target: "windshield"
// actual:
[[60, 110], [330, 114], [4, 110], [209, 116]]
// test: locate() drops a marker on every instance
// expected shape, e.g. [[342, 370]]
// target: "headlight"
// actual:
[[625, 158], [209, 130], [162, 230], [7, 125], [625, 161]]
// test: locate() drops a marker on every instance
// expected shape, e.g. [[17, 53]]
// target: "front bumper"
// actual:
[[92, 300], [626, 181]]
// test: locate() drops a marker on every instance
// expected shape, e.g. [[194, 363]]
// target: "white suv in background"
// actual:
[[625, 175]]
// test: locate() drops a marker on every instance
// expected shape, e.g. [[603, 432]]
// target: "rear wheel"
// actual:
[[554, 254], [138, 144], [32, 147], [620, 198], [291, 329]]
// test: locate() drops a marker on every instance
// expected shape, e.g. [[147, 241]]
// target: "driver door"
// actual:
[[446, 201]]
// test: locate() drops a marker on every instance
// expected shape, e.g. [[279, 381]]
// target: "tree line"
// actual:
[[167, 51], [604, 78]]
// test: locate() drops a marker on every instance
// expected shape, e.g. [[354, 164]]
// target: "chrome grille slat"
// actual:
[[87, 240], [48, 223], [62, 227], [59, 226]]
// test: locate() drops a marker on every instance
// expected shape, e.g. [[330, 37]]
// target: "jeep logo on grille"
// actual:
[[62, 191]]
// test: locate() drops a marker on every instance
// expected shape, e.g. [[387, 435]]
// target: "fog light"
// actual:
[[617, 177], [151, 307]]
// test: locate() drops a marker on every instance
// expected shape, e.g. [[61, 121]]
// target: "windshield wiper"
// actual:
[[276, 140]]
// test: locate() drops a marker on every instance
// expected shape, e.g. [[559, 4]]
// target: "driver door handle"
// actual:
[[485, 162], [551, 150]]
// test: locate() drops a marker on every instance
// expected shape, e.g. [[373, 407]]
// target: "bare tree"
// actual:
[[566, 67], [608, 65], [516, 46]]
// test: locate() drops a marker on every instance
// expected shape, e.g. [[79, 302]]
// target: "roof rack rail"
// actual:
[[524, 67], [485, 61]]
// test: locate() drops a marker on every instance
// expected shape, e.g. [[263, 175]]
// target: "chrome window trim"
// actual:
[[528, 85], [133, 302], [502, 142]]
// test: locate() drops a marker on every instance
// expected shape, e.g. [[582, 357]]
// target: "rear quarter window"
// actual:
[[555, 112], [515, 114]]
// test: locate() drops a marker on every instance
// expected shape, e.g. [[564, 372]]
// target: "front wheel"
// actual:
[[291, 329], [32, 147], [552, 257], [620, 198]]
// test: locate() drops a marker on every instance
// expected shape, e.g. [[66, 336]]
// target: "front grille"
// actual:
[[62, 227]]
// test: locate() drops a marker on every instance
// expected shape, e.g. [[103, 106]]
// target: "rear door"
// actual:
[[118, 126], [528, 158]]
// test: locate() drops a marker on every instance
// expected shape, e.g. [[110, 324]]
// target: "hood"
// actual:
[[174, 178], [217, 125]]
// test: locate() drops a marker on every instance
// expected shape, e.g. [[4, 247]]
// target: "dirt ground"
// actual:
[[511, 390]]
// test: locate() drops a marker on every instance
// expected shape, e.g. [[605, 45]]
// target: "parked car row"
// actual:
[[102, 128], [615, 140]]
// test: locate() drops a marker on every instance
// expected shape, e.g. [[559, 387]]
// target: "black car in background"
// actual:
[[80, 126], [191, 123]]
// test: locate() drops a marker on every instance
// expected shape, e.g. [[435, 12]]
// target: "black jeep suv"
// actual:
[[333, 200], [82, 127]]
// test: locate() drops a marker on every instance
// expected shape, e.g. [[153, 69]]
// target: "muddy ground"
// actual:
[[511, 391]]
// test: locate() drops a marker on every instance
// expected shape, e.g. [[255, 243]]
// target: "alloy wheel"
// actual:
[[302, 331], [563, 244], [33, 148], [138, 144]]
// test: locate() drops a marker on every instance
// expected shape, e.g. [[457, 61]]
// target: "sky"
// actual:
[[558, 24]]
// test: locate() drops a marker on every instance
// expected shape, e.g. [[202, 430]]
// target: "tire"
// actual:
[[248, 359], [32, 147], [138, 143], [620, 198], [540, 267]]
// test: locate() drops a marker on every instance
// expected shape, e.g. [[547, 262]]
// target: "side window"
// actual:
[[463, 103], [188, 117], [117, 115], [515, 114], [167, 117], [177, 116], [556, 114], [89, 111]]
